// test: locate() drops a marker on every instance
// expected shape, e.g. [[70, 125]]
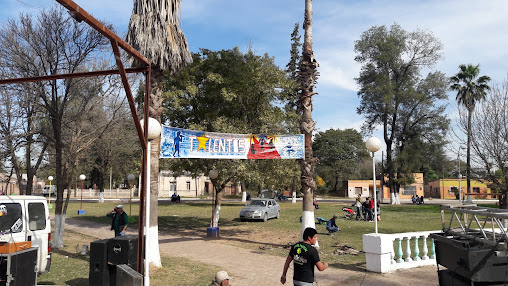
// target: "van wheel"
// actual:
[[278, 215], [265, 218]]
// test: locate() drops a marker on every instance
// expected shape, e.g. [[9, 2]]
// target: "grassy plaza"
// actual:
[[271, 237]]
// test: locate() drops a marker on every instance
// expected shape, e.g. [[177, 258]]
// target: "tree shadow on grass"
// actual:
[[192, 228], [77, 282], [71, 255], [358, 267]]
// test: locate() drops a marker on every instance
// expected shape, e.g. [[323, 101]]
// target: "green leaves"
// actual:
[[233, 92]]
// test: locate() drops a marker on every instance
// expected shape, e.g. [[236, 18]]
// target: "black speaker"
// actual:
[[126, 276], [99, 274], [21, 266], [123, 250]]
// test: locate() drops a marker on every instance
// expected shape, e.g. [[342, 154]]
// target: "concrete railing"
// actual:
[[389, 252]]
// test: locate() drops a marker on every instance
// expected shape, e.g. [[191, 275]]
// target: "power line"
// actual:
[[29, 5]]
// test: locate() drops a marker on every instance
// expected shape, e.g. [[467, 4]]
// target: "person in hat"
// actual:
[[120, 220], [221, 279]]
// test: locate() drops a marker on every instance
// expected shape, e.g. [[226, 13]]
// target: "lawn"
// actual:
[[275, 235]]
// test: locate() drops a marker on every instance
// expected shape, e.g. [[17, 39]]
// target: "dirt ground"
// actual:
[[250, 267]]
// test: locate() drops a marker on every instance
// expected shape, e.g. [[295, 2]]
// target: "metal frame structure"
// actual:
[[116, 43], [481, 224]]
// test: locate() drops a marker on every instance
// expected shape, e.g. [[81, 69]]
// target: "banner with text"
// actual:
[[184, 143]]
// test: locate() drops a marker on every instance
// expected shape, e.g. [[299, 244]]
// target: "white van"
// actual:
[[26, 218]]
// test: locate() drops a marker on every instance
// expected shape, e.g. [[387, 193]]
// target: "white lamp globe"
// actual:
[[131, 177], [213, 174], [50, 178], [82, 177], [373, 144], [154, 128]]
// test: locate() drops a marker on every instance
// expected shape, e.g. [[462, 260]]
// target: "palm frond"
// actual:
[[154, 30]]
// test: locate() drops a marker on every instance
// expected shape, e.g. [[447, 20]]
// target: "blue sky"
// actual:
[[471, 32]]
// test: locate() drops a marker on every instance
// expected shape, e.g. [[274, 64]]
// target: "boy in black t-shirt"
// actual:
[[304, 257]]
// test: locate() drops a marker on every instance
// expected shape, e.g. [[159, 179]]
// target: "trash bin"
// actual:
[[212, 232]]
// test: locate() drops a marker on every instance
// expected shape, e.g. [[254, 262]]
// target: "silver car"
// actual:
[[260, 209]]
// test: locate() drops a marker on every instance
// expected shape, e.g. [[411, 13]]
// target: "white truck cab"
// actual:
[[26, 218]]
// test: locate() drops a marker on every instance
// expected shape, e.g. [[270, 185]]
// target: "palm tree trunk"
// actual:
[[307, 80], [155, 110]]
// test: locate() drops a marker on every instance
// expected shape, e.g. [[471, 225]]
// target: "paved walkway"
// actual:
[[250, 267]]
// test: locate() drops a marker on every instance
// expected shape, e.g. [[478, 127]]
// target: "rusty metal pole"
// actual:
[[116, 42]]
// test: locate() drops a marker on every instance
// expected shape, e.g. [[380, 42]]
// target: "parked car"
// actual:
[[260, 209], [267, 194], [45, 191]]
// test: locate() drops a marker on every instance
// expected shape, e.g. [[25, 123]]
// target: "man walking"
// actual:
[[120, 220], [304, 257]]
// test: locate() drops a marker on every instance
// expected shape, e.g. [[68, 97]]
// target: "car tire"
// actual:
[[278, 215], [265, 217], [242, 219]]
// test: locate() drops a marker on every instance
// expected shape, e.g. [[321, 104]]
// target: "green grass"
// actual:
[[195, 217], [69, 267]]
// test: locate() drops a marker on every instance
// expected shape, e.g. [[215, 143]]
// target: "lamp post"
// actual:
[[130, 178], [154, 131], [460, 175], [82, 177], [373, 145], [50, 206]]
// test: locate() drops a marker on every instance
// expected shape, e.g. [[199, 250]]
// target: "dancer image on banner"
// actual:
[[177, 140]]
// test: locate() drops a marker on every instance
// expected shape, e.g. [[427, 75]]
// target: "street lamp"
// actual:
[[373, 145], [130, 178], [154, 131], [50, 206], [82, 177], [460, 175]]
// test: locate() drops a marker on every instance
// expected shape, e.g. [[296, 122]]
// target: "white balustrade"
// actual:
[[389, 252]]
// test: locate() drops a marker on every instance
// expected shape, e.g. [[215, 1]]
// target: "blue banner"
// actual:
[[185, 143]]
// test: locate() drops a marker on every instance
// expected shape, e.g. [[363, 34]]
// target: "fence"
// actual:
[[389, 252]]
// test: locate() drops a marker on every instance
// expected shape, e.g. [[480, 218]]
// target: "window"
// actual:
[[11, 220], [408, 190], [358, 190], [36, 216], [476, 190], [188, 186], [172, 187], [453, 190]]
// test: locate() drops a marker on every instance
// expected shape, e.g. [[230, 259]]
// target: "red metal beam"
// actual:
[[128, 92], [101, 28], [71, 75]]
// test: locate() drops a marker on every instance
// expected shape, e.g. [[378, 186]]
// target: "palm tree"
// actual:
[[307, 79], [470, 90], [154, 30]]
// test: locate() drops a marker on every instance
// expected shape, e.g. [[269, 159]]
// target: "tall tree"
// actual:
[[52, 43], [470, 90], [292, 68], [232, 92], [154, 30], [307, 79], [394, 95], [489, 142], [340, 153]]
